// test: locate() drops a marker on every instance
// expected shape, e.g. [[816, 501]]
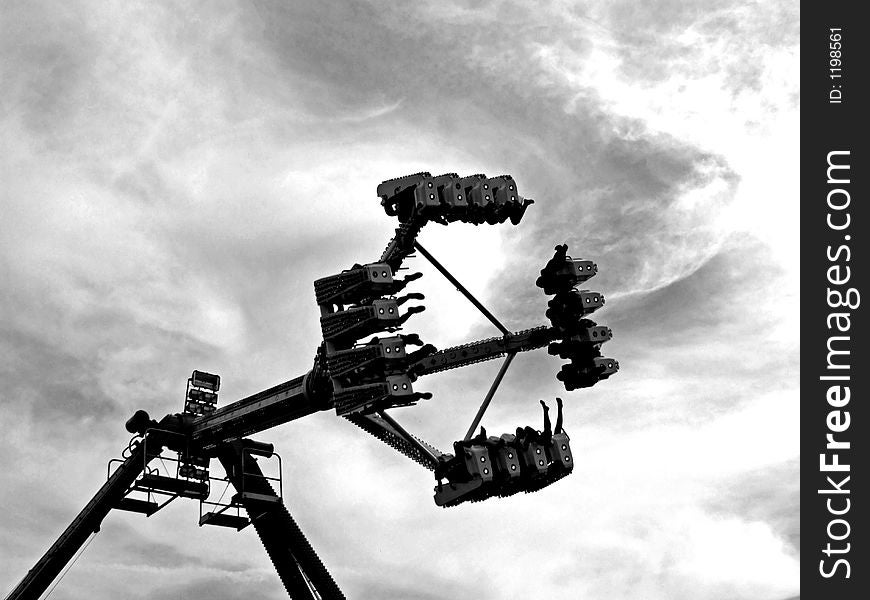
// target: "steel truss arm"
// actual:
[[429, 453], [488, 349], [401, 245], [386, 429], [300, 569], [87, 522]]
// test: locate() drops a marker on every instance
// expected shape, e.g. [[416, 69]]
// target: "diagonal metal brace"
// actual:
[[461, 288], [499, 376]]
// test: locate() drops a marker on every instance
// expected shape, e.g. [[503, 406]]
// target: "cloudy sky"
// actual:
[[174, 178]]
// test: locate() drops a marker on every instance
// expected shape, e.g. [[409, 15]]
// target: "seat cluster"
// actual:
[[447, 198], [487, 466], [581, 338]]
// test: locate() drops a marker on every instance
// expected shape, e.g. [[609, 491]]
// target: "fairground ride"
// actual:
[[361, 380]]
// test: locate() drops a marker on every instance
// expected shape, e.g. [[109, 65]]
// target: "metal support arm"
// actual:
[[87, 522], [277, 405], [300, 569]]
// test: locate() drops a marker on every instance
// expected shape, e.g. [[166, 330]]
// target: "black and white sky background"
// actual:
[[175, 175]]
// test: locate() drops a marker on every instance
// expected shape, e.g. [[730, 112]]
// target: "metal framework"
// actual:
[[361, 381]]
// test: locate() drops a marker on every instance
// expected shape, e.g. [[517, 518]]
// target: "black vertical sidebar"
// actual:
[[834, 372]]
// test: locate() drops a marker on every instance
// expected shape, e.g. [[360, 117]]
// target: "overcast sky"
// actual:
[[175, 177]]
